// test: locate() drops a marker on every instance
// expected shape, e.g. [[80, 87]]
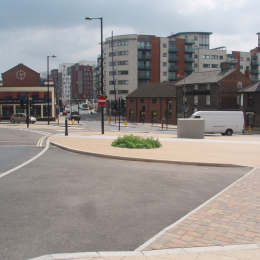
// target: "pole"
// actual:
[[27, 112], [119, 113], [48, 86], [102, 75], [66, 127]]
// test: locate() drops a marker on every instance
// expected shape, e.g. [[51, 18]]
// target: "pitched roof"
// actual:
[[204, 77], [253, 88], [166, 89]]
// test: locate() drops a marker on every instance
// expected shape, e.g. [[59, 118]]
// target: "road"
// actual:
[[16, 146], [68, 202]]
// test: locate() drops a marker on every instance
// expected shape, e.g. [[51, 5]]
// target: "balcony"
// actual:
[[147, 47], [173, 68], [173, 49], [146, 56], [144, 76], [172, 58], [144, 67], [255, 62], [189, 59], [254, 71], [172, 77], [189, 50], [188, 68], [189, 42]]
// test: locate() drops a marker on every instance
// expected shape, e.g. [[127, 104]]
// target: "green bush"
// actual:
[[130, 141]]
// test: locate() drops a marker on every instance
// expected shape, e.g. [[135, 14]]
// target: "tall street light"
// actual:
[[102, 66], [48, 82]]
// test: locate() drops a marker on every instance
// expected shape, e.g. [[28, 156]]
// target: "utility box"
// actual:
[[191, 128]]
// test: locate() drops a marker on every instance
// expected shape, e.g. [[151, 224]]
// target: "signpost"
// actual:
[[102, 100]]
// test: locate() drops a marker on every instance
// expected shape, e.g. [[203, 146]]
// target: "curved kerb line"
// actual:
[[151, 240], [27, 162]]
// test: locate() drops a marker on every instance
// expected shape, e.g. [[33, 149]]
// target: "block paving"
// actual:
[[232, 218]]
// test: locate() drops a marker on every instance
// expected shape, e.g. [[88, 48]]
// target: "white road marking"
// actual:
[[27, 162]]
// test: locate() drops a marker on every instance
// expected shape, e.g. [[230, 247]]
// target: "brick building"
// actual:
[[250, 97], [20, 83], [211, 90], [152, 103]]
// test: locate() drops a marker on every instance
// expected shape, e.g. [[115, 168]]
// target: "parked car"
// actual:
[[224, 122], [74, 115], [21, 118]]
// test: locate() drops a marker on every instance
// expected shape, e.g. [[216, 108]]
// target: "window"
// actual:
[[122, 82], [112, 53], [165, 73], [196, 100], [122, 62], [112, 92], [111, 82], [111, 73], [122, 53], [154, 100], [165, 54], [248, 59], [123, 91], [207, 100], [206, 65], [206, 57], [164, 45], [214, 66], [123, 72], [196, 56], [241, 67], [221, 57], [164, 64]]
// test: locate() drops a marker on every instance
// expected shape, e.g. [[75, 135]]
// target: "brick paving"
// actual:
[[231, 218]]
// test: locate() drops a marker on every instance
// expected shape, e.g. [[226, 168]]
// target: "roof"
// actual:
[[253, 88], [166, 89], [204, 77], [180, 33], [19, 66]]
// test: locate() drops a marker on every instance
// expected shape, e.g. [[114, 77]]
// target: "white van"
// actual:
[[224, 122]]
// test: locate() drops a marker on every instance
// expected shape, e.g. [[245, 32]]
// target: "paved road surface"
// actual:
[[67, 202]]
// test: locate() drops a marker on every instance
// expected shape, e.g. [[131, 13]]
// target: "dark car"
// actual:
[[74, 115]]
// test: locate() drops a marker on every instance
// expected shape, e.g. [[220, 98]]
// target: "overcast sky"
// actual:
[[32, 29]]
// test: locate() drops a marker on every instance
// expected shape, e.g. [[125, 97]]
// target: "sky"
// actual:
[[31, 30]]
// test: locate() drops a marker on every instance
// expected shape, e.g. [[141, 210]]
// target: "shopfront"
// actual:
[[22, 86]]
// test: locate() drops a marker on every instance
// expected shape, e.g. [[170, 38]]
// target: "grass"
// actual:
[[136, 142]]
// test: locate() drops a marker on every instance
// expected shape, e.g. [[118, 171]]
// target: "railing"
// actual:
[[173, 49], [173, 67], [172, 58]]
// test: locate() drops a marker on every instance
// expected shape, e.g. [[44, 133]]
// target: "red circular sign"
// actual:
[[102, 100]]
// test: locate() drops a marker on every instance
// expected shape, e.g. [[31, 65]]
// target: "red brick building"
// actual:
[[20, 83], [152, 103]]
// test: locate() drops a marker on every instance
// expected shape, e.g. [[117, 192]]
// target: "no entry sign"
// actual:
[[102, 100]]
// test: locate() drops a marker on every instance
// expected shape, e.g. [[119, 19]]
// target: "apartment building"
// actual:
[[255, 62], [65, 81], [81, 77]]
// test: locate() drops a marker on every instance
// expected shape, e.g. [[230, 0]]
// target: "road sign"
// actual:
[[102, 100]]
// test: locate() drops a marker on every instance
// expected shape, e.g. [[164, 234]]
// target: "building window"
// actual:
[[123, 91], [122, 53], [196, 56], [207, 100], [196, 100], [214, 66], [123, 72], [122, 82], [154, 100], [165, 54], [164, 64], [205, 65], [122, 62], [164, 45], [111, 73], [221, 57], [165, 73]]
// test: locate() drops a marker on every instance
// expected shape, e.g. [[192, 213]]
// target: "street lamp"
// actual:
[[48, 108], [102, 66]]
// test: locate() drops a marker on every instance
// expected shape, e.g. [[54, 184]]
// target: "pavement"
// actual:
[[226, 227]]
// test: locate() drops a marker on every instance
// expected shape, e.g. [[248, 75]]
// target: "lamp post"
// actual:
[[48, 82], [102, 66]]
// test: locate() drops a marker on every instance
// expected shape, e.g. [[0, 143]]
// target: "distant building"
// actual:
[[21, 83], [65, 82]]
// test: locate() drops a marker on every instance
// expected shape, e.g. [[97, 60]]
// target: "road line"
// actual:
[[27, 162], [151, 240]]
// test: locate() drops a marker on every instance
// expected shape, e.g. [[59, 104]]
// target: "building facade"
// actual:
[[21, 83]]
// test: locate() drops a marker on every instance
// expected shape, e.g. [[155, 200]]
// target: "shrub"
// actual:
[[130, 141]]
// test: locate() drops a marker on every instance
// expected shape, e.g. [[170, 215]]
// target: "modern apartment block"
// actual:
[[81, 77], [255, 62], [65, 81]]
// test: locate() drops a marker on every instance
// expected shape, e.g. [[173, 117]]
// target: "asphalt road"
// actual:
[[16, 146], [68, 202]]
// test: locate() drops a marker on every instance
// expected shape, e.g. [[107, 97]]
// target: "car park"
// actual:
[[21, 118]]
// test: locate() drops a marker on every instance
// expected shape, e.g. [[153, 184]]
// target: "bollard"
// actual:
[[126, 123], [66, 127], [72, 121], [109, 120]]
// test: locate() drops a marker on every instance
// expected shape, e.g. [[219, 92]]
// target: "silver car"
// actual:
[[21, 118]]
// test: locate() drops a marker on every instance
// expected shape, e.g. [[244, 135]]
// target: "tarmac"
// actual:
[[226, 227]]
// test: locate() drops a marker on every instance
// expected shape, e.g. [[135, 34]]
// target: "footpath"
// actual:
[[226, 227]]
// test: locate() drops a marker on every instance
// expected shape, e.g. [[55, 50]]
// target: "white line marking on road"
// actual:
[[27, 162], [147, 243]]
